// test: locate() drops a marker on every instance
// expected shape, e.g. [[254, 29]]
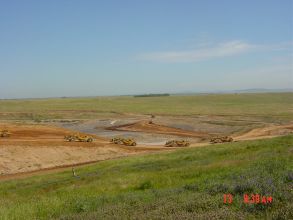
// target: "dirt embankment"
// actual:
[[266, 132], [145, 126]]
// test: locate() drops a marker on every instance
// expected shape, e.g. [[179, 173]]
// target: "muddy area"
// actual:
[[101, 127], [205, 126]]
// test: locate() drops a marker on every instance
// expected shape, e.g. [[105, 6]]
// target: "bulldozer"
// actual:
[[4, 133], [222, 139], [78, 138], [177, 143], [124, 141]]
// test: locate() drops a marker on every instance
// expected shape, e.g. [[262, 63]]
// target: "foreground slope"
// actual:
[[185, 184]]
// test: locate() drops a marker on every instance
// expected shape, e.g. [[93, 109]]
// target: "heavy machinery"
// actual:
[[129, 142], [4, 133], [124, 141], [177, 143], [117, 140], [78, 138], [151, 120], [222, 139]]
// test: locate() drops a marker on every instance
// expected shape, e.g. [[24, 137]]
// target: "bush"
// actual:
[[145, 185]]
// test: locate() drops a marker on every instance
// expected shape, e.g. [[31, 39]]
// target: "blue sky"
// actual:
[[91, 48]]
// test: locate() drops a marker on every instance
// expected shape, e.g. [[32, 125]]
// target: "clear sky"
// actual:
[[92, 47]]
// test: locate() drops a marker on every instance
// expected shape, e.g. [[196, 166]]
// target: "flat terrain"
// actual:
[[267, 106]]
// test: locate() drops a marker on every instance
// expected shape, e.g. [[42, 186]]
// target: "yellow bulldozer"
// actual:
[[177, 143], [4, 133], [78, 138], [124, 141], [222, 139]]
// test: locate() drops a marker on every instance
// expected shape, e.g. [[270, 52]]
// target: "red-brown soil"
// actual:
[[37, 147], [33, 147], [145, 126]]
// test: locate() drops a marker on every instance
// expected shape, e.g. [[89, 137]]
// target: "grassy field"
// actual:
[[270, 105], [186, 184]]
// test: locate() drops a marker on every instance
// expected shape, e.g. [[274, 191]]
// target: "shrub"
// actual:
[[145, 185]]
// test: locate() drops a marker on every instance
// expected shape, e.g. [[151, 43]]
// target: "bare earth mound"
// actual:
[[145, 126], [267, 132]]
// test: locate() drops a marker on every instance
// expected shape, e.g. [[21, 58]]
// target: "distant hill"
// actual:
[[262, 90], [254, 90], [151, 95]]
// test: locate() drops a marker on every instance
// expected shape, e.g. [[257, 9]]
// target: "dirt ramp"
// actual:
[[145, 126], [267, 132]]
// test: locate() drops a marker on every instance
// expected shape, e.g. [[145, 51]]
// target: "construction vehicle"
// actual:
[[4, 133], [221, 139], [129, 142], [124, 141], [116, 140], [78, 138], [177, 143], [151, 120]]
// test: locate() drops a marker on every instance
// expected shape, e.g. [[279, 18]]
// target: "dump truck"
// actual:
[[78, 138], [4, 133], [221, 139], [124, 141], [177, 143]]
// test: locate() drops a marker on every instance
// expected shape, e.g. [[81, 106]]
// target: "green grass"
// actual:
[[268, 105], [185, 184]]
